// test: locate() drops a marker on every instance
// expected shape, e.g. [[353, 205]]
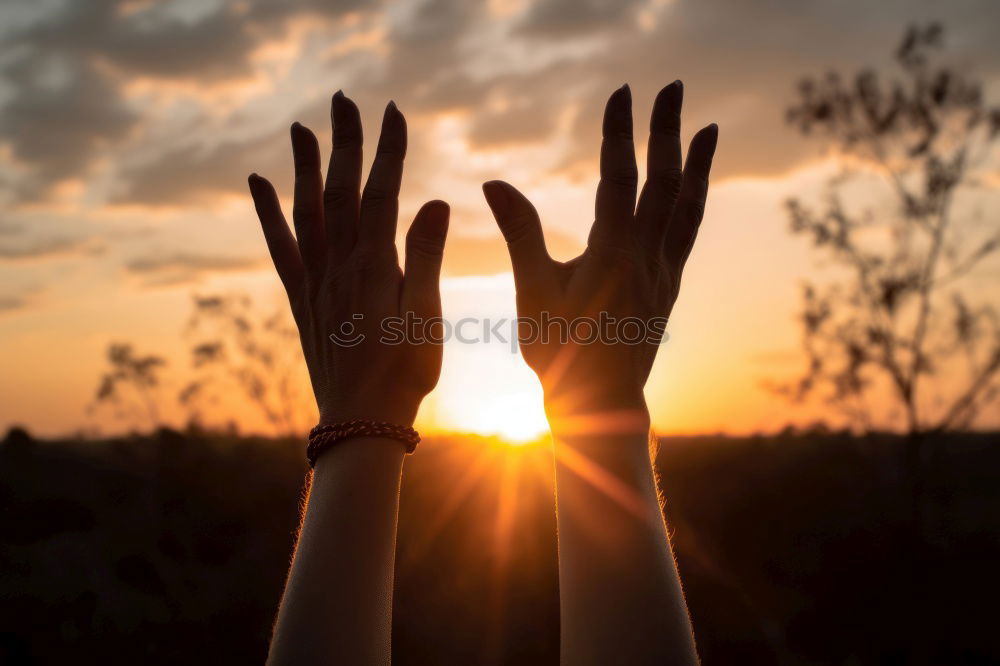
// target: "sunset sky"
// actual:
[[128, 127]]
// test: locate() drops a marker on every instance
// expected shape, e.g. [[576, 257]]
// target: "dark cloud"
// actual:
[[425, 65], [526, 114], [65, 72], [193, 174], [740, 62], [157, 39], [12, 303], [575, 18], [58, 127], [522, 124]]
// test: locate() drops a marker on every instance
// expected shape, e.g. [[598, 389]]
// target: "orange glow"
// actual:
[[70, 285], [517, 417]]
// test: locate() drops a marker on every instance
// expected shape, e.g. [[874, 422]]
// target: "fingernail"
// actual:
[[391, 106], [675, 93], [713, 133], [436, 220], [496, 195], [627, 96], [252, 178], [339, 94]]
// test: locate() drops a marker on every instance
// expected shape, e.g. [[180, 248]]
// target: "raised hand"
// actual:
[[342, 275], [620, 595], [628, 276]]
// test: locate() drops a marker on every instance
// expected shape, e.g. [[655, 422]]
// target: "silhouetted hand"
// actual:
[[630, 269], [342, 274]]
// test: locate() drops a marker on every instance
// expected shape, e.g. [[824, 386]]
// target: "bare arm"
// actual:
[[620, 595], [343, 280], [338, 598]]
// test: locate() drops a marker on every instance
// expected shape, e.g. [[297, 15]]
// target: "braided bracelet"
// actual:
[[323, 437]]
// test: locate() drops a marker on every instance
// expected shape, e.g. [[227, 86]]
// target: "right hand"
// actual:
[[631, 268]]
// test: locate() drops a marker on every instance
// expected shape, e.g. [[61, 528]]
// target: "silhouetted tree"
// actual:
[[904, 304], [131, 384], [260, 354]]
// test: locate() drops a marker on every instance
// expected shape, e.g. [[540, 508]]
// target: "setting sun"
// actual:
[[517, 417]]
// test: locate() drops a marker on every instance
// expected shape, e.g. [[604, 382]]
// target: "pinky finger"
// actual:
[[280, 242]]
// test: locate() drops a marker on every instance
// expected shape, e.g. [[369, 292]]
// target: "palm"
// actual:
[[632, 265]]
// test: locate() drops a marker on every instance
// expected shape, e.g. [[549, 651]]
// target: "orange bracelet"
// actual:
[[322, 437]]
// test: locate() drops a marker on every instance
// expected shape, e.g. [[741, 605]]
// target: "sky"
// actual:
[[128, 127]]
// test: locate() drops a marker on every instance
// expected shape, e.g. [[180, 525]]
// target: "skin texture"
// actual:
[[342, 262], [621, 600]]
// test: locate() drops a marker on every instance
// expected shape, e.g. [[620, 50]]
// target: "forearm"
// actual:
[[338, 599], [621, 598]]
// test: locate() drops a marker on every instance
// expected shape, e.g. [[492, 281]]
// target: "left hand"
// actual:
[[342, 274]]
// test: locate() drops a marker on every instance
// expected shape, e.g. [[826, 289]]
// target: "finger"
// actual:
[[307, 211], [690, 206], [380, 200], [424, 251], [663, 167], [280, 242], [343, 178], [615, 209], [534, 270]]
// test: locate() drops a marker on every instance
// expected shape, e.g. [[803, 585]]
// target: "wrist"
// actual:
[[395, 411], [617, 417]]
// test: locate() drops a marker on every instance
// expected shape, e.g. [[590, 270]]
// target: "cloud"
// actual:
[[574, 18], [46, 248], [10, 304], [20, 298], [204, 41], [66, 71], [9, 229], [57, 126], [183, 268], [195, 174]]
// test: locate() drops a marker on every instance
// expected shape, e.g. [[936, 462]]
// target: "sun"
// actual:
[[485, 387], [517, 417]]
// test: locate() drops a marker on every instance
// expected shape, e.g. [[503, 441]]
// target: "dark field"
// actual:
[[797, 549]]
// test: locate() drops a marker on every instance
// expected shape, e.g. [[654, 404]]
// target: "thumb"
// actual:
[[424, 251], [534, 270]]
